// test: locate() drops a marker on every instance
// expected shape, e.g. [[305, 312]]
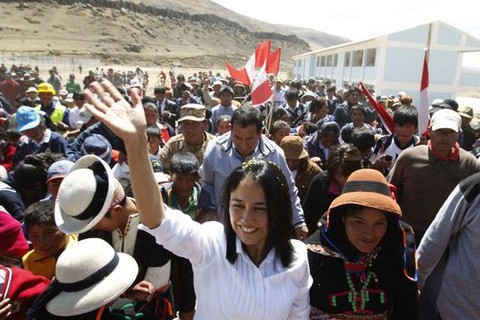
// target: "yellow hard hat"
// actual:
[[46, 87]]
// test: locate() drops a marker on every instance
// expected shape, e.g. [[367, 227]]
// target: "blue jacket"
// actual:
[[221, 159]]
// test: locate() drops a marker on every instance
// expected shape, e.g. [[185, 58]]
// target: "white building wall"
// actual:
[[399, 62]]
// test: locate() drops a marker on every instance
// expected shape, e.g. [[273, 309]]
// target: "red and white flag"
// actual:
[[423, 114], [273, 62], [384, 116], [261, 58], [238, 74], [261, 53], [261, 89]]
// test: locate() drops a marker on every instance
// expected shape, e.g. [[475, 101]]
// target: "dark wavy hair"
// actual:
[[279, 210]]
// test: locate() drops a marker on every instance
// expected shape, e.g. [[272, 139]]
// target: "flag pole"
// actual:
[[423, 110]]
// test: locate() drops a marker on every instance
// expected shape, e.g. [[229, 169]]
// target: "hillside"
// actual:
[[147, 32]]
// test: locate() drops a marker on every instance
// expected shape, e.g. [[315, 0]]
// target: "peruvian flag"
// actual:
[[261, 53], [239, 74], [384, 116], [273, 62], [261, 89], [260, 58], [423, 114]]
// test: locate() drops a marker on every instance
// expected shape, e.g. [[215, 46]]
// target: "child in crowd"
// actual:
[[184, 192], [223, 124], [47, 240], [55, 174], [388, 148], [152, 117], [279, 130], [155, 141]]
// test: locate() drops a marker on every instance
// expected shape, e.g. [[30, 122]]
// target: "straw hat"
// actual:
[[90, 274], [85, 195]]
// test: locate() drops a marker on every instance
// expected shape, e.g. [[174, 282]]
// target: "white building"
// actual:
[[394, 62]]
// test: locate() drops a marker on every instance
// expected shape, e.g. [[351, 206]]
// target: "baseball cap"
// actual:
[[31, 89], [27, 118], [192, 111], [98, 145], [59, 169], [446, 119]]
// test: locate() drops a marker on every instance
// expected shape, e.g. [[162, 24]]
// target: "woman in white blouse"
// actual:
[[246, 268]]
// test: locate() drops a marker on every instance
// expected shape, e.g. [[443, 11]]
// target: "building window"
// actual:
[[370, 56], [357, 60], [318, 61], [329, 60], [347, 59], [322, 61], [335, 59]]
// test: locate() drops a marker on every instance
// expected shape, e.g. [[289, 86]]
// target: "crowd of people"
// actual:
[[188, 201]]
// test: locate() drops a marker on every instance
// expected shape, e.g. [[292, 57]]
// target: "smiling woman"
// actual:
[[249, 267], [357, 257]]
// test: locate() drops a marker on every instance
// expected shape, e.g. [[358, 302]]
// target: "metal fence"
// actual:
[[46, 62]]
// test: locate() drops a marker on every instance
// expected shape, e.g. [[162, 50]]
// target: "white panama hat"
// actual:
[[85, 195], [90, 274]]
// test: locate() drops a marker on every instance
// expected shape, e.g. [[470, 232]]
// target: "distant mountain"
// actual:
[[315, 39], [196, 34]]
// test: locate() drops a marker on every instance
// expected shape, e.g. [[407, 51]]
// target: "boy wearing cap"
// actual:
[[55, 174], [426, 174], [39, 137]]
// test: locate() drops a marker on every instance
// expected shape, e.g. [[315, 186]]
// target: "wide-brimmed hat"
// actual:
[[85, 195], [193, 112], [466, 112], [27, 118], [293, 148], [368, 188], [90, 274]]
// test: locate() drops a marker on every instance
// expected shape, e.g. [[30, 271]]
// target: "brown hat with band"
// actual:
[[368, 188], [293, 148]]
